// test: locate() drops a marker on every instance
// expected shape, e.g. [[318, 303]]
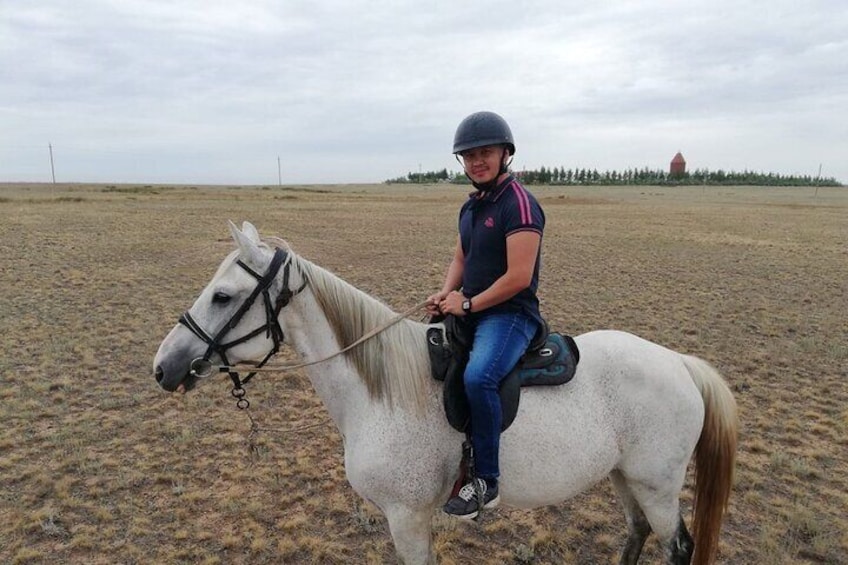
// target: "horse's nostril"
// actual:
[[160, 374]]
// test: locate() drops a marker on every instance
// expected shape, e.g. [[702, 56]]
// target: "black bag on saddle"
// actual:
[[551, 359]]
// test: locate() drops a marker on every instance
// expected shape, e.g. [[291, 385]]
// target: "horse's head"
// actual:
[[235, 318]]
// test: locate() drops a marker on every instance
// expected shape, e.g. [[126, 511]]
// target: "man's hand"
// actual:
[[433, 303], [452, 304]]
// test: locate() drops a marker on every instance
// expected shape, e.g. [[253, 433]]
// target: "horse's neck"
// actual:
[[335, 381], [389, 371]]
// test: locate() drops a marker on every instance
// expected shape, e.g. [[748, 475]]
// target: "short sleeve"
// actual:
[[521, 211]]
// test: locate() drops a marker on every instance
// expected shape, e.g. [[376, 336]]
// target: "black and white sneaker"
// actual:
[[464, 504]]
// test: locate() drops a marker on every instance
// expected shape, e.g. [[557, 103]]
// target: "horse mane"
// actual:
[[394, 364]]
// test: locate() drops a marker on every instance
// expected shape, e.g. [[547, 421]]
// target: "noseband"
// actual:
[[271, 327]]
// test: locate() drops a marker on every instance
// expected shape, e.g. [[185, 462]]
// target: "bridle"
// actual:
[[202, 366], [271, 328]]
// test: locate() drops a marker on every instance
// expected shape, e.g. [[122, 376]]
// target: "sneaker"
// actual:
[[464, 504]]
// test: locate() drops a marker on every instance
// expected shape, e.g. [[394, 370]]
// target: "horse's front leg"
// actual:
[[411, 533]]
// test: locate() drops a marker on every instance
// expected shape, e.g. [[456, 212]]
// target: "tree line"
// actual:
[[644, 176]]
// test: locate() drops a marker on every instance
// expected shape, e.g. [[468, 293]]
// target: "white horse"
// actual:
[[635, 411]]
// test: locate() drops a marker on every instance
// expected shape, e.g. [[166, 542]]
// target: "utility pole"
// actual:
[[818, 181], [52, 170], [279, 172]]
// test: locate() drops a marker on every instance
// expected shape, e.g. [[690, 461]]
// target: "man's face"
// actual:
[[483, 163]]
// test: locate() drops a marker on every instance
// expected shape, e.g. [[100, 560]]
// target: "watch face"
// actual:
[[466, 305]]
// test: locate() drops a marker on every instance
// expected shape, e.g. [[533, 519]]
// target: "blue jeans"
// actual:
[[500, 339]]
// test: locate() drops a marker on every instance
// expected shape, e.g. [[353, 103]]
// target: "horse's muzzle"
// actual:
[[183, 385]]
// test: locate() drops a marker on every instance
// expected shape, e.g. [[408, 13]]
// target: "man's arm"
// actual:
[[521, 250]]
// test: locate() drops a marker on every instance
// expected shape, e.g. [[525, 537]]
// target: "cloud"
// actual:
[[188, 91]]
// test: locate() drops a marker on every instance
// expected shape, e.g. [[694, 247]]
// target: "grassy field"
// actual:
[[97, 465]]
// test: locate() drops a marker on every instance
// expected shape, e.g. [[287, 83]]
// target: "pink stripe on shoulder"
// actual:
[[523, 203]]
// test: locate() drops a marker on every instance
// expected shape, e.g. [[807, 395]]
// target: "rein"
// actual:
[[201, 367]]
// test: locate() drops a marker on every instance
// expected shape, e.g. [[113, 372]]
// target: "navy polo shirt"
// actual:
[[485, 221]]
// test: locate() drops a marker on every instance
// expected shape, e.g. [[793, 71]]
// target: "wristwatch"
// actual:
[[466, 305]]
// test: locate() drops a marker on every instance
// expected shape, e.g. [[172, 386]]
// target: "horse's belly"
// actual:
[[554, 450]]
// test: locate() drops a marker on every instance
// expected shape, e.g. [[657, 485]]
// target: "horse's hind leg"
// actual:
[[662, 510], [638, 527], [682, 547], [411, 534]]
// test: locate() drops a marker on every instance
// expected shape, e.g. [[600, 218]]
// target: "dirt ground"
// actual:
[[97, 465]]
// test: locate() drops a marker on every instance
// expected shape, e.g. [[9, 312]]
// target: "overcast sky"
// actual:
[[191, 91]]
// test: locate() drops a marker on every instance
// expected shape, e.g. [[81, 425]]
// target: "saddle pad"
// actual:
[[552, 364]]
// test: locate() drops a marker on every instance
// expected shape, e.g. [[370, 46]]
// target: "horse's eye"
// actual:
[[220, 298]]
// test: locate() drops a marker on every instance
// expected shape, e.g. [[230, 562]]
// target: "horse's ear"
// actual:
[[234, 231], [247, 240], [250, 231]]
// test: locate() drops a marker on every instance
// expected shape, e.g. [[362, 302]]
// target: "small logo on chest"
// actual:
[[490, 222]]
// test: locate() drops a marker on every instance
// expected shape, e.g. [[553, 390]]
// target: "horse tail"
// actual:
[[715, 457]]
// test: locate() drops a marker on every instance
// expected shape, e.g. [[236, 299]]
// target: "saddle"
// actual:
[[551, 359]]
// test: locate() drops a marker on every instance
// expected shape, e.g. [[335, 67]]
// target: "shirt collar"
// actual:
[[492, 195]]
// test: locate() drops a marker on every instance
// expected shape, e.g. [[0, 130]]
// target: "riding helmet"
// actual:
[[481, 129]]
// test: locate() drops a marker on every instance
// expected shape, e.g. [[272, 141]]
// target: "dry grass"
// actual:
[[98, 466]]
